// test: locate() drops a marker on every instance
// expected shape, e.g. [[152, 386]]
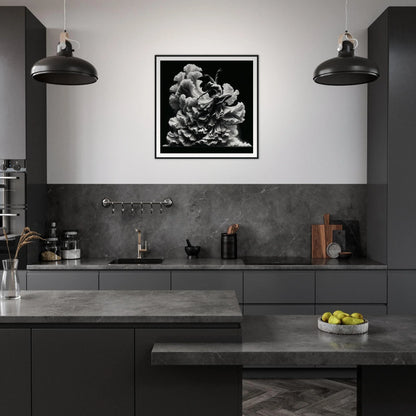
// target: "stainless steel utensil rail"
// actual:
[[134, 206]]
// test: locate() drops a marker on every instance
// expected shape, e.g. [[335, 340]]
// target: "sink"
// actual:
[[136, 261]]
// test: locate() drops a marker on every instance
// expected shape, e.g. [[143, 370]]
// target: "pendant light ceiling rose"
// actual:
[[64, 68], [346, 68]]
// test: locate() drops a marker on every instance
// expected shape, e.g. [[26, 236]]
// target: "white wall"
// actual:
[[104, 133]]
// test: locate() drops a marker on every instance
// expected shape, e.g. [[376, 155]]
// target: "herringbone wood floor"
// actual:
[[287, 397]]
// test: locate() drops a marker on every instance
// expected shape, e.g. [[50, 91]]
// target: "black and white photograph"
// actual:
[[206, 106]]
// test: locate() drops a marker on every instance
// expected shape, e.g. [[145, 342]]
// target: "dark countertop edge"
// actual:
[[27, 321], [172, 264], [235, 354]]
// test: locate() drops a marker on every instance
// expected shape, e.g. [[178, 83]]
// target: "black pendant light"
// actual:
[[346, 68], [64, 68]]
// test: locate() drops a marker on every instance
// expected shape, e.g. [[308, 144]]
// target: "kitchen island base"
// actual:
[[88, 353], [386, 390]]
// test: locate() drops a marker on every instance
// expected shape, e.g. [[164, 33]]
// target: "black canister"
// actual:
[[228, 246]]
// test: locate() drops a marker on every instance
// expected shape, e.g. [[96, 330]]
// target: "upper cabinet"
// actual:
[[391, 139], [22, 100]]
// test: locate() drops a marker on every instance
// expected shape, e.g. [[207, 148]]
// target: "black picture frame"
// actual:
[[206, 106]]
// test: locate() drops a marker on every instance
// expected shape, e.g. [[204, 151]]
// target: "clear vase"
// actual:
[[10, 287]]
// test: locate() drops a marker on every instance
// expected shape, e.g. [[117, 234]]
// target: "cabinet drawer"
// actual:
[[22, 279], [57, 280], [357, 286], [364, 308], [402, 290], [135, 280], [279, 309], [209, 280], [279, 287]]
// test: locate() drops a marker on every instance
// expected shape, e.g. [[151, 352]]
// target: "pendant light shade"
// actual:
[[346, 68], [64, 69]]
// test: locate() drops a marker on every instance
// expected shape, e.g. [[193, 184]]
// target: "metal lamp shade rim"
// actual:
[[351, 70], [64, 70]]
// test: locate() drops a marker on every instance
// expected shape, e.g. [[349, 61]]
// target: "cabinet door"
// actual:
[[279, 287], [402, 290], [22, 279], [132, 280], [352, 286], [83, 372], [279, 309], [12, 83], [209, 280], [190, 390], [57, 280], [15, 372]]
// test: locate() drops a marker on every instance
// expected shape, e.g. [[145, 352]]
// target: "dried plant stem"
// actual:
[[26, 237], [7, 243]]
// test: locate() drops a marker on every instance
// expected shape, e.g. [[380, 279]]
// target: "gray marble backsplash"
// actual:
[[274, 219]]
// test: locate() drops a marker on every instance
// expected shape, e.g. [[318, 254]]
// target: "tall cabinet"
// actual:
[[391, 174], [23, 115]]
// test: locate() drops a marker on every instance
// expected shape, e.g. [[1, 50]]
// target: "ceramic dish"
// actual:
[[343, 329]]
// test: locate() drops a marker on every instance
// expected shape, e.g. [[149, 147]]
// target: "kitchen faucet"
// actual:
[[140, 250]]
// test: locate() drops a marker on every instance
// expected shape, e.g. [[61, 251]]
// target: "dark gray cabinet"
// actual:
[[279, 309], [402, 292], [23, 115], [352, 286], [15, 389], [82, 372], [209, 280], [391, 142], [132, 280], [62, 280], [186, 390], [22, 279], [279, 287], [22, 42]]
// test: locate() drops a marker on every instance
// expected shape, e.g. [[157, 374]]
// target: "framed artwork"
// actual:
[[206, 106]]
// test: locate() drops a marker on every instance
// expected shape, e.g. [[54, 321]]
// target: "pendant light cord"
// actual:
[[65, 37], [64, 15], [346, 15]]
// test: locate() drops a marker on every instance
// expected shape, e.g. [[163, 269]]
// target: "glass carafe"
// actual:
[[10, 287]]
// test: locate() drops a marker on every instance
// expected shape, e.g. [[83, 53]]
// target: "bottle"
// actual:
[[51, 247], [53, 233]]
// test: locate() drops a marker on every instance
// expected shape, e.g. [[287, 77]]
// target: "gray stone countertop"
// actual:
[[295, 341], [126, 307], [211, 264]]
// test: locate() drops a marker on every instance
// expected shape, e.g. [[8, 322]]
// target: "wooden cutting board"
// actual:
[[322, 236]]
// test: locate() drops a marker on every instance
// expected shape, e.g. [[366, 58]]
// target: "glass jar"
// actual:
[[70, 249], [51, 250]]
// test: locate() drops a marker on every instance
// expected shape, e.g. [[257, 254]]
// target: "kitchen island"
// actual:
[[89, 353], [385, 357]]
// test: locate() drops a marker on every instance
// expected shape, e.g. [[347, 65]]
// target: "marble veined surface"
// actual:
[[127, 307]]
